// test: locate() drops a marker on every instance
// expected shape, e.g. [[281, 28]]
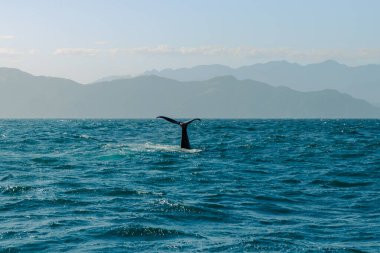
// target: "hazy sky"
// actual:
[[89, 39]]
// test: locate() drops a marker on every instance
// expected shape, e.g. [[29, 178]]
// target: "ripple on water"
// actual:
[[7, 177], [180, 211], [142, 233], [15, 189], [340, 184], [46, 160]]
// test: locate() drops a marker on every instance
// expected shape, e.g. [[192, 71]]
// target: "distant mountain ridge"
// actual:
[[361, 81], [112, 78], [27, 96]]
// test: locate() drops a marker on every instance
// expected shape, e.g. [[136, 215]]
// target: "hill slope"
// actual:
[[362, 81]]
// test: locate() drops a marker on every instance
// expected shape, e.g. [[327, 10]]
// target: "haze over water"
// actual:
[[248, 185]]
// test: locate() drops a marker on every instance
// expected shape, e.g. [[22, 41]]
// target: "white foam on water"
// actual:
[[124, 149], [152, 147], [84, 136]]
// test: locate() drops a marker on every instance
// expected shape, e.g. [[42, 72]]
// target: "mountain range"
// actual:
[[26, 96], [360, 81]]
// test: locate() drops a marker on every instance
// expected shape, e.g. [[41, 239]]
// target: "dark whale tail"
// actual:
[[185, 143]]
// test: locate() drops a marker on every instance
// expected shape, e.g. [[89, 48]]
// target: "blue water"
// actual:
[[249, 185]]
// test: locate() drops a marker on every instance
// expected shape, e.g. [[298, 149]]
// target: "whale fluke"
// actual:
[[185, 143], [188, 122], [169, 119]]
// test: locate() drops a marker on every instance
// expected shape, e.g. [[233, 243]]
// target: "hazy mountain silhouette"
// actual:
[[362, 81], [26, 96], [112, 78], [197, 73]]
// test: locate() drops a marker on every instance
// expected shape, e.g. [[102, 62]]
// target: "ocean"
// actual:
[[247, 186]]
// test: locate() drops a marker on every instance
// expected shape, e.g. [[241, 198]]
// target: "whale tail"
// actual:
[[185, 143]]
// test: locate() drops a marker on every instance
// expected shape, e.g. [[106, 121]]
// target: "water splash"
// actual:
[[152, 147]]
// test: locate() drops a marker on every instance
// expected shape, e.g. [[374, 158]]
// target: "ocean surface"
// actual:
[[247, 186]]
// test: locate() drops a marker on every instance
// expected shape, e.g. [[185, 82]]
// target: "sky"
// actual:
[[85, 40]]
